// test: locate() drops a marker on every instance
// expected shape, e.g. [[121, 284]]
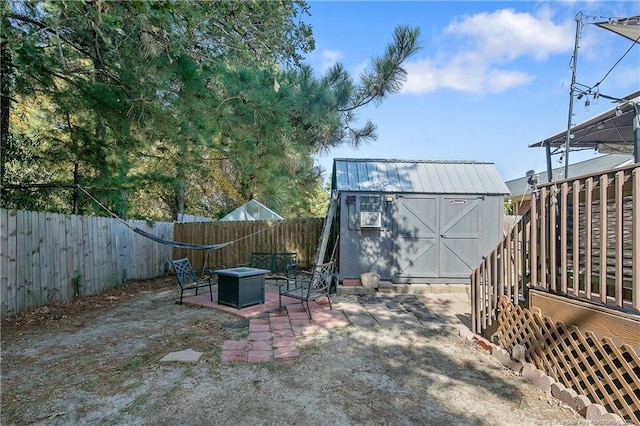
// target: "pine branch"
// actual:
[[387, 75]]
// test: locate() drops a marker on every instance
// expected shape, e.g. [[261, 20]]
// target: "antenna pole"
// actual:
[[636, 132], [572, 94]]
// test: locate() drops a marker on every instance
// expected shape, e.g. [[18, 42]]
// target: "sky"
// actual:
[[490, 79]]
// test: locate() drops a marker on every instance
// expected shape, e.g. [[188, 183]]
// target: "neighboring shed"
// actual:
[[416, 221], [252, 210]]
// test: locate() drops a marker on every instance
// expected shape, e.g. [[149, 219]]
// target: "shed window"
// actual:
[[370, 203]]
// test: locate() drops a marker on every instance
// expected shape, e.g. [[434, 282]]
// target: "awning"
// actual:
[[610, 132], [626, 27]]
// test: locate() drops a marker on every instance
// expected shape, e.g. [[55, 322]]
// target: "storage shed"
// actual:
[[416, 221]]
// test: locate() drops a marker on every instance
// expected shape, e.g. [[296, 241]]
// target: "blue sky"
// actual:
[[490, 79]]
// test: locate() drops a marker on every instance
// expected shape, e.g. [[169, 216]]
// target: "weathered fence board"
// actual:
[[296, 235], [12, 266], [59, 241], [87, 273], [21, 287], [36, 294], [4, 259], [78, 251], [50, 256], [27, 271]]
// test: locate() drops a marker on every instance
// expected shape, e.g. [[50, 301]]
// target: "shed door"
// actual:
[[458, 236], [417, 239]]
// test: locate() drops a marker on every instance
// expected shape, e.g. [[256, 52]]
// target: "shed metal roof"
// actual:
[[416, 176]]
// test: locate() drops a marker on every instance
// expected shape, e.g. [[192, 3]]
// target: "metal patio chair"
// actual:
[[187, 279], [309, 289]]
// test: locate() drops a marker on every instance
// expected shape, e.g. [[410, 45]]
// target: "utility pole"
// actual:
[[572, 94], [636, 132]]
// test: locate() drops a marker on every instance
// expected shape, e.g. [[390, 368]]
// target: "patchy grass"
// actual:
[[117, 360], [137, 404], [95, 360], [75, 312]]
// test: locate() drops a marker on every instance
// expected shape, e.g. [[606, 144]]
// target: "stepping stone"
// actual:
[[285, 352], [382, 314], [392, 303], [415, 306], [389, 301], [234, 356], [424, 315], [258, 327], [259, 356], [407, 319], [366, 299], [408, 299], [358, 315], [395, 306], [188, 355]]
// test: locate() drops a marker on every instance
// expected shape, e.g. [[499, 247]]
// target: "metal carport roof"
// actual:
[[609, 132], [626, 27]]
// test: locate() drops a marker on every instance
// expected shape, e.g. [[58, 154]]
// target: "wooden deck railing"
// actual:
[[581, 238]]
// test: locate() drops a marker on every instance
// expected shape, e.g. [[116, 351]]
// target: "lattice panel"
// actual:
[[606, 374]]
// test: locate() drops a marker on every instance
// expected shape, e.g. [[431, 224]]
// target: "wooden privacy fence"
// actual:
[[54, 257], [51, 256], [295, 235]]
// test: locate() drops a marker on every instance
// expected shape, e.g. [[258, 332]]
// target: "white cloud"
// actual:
[[489, 44], [498, 81], [476, 78], [506, 34], [329, 58]]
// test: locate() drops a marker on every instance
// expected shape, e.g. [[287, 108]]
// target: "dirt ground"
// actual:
[[95, 360]]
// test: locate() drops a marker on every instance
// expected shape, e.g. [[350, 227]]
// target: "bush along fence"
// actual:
[[54, 257]]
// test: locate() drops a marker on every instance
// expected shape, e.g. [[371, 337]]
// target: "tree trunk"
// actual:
[[5, 98], [76, 181], [100, 127], [180, 193]]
